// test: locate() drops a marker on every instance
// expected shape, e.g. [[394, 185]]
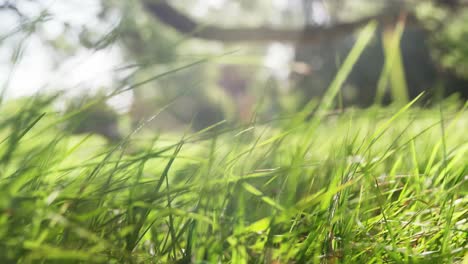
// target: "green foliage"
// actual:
[[393, 70], [145, 40], [450, 36], [371, 185], [88, 114]]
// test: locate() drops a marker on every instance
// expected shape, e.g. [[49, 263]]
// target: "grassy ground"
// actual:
[[369, 186]]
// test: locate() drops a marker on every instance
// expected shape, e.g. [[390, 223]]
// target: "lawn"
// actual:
[[381, 185]]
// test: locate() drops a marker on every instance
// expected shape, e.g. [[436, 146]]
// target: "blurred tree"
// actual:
[[326, 37], [321, 37], [89, 115]]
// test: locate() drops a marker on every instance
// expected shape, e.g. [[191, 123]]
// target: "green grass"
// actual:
[[370, 186], [381, 185]]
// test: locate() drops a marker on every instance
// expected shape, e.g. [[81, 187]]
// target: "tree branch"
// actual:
[[7, 5], [169, 15]]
